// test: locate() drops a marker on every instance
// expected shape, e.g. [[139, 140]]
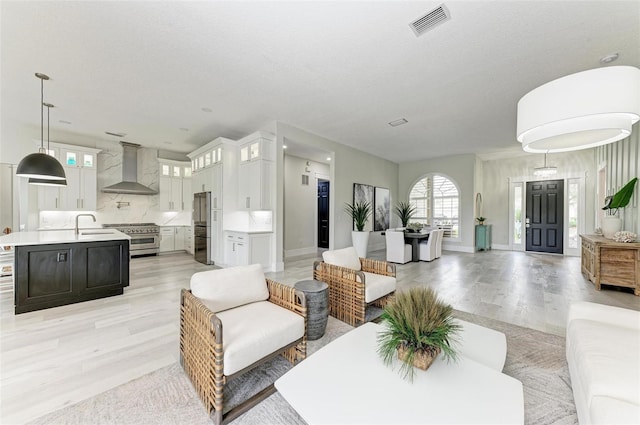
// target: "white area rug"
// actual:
[[166, 396]]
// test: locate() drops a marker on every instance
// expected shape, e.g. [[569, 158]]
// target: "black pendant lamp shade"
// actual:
[[48, 182], [40, 165]]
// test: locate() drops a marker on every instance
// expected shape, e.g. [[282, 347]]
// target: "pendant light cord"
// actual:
[[41, 114]]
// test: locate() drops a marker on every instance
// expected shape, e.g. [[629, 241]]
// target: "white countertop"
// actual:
[[45, 237]]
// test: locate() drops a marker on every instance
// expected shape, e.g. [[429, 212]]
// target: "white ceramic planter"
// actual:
[[610, 225], [360, 242]]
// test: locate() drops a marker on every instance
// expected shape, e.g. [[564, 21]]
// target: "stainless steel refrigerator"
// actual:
[[202, 227]]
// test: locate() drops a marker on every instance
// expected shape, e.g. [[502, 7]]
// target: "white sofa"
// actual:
[[603, 353]]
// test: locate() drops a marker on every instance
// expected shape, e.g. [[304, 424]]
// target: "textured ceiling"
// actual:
[[341, 70]]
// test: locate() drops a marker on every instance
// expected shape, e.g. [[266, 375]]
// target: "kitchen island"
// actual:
[[54, 268]]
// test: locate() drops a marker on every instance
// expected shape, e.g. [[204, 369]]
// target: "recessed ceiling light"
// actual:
[[65, 122], [207, 110], [284, 146], [115, 133], [184, 129], [609, 58], [398, 122], [328, 158]]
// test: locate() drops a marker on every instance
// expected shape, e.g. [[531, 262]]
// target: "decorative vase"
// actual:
[[421, 359], [610, 225], [360, 241]]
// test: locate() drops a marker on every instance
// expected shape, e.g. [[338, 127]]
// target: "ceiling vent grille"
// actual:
[[430, 20]]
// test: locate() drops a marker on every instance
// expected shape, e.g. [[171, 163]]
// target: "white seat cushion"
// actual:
[[345, 257], [606, 357], [231, 287], [607, 410], [252, 331], [377, 285]]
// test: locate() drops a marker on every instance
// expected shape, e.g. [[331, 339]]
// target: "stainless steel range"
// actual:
[[145, 237]]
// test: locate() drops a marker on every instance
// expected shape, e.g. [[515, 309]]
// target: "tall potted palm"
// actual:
[[405, 210], [359, 213]]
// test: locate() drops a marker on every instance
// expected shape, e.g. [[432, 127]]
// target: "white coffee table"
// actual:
[[346, 382]]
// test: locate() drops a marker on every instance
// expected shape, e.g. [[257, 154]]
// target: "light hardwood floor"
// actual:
[[53, 358]]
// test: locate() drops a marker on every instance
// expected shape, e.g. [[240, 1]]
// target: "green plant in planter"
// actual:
[[480, 220], [621, 198], [359, 212], [405, 210], [417, 323]]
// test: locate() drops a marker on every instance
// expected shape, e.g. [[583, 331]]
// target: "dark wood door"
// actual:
[[323, 214], [544, 220]]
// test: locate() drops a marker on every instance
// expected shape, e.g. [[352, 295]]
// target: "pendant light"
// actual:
[[580, 111], [545, 171], [45, 182], [40, 165]]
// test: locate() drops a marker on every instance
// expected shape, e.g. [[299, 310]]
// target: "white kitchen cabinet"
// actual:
[[258, 145], [175, 238], [209, 180], [179, 232], [217, 245], [188, 239], [81, 192], [172, 184], [187, 194], [236, 249], [167, 239], [170, 194], [242, 248], [216, 187], [254, 185]]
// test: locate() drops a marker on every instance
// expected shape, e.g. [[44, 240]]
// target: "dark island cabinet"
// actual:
[[59, 274]]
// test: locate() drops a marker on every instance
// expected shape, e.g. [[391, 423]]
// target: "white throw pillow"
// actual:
[[345, 257], [231, 287]]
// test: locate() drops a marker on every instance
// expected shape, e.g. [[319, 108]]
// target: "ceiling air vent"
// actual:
[[430, 20]]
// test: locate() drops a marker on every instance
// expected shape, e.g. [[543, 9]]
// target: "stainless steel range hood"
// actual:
[[129, 184]]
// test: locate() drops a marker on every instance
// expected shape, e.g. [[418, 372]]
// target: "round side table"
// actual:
[[317, 295]]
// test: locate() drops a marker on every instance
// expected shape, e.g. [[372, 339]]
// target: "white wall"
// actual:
[[300, 205], [461, 170], [622, 162], [348, 166]]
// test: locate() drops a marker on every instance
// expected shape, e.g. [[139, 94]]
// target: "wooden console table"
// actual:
[[607, 262]]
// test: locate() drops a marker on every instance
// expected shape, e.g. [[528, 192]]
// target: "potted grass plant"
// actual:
[[417, 327], [405, 210], [360, 213]]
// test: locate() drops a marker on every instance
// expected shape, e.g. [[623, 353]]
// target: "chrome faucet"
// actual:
[[86, 215]]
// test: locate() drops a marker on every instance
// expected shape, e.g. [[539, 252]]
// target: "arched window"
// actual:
[[437, 203]]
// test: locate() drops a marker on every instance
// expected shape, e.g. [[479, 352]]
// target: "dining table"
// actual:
[[414, 239]]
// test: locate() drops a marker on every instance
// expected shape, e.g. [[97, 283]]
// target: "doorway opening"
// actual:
[[323, 213], [544, 220]]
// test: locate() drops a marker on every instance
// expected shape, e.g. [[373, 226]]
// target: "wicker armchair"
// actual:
[[203, 353], [351, 291]]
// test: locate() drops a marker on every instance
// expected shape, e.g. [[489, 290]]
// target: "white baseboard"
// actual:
[[458, 248], [300, 251], [501, 247]]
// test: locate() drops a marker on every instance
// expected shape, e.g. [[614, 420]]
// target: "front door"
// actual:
[[544, 220], [323, 214]]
